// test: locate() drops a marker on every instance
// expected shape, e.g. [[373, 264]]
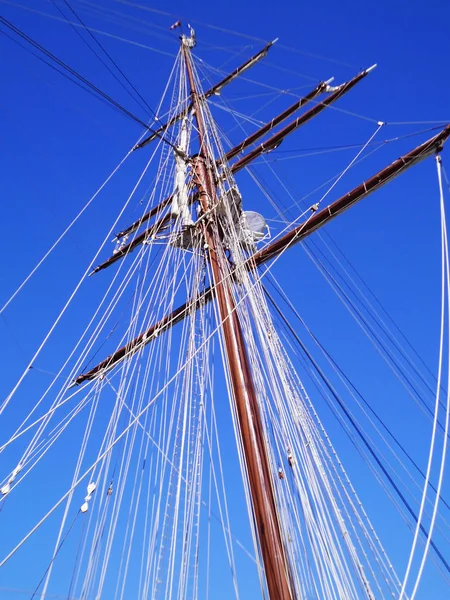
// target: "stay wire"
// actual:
[[366, 326], [53, 67], [236, 33], [381, 305], [345, 377], [366, 320], [55, 555], [361, 435], [82, 79], [108, 55], [445, 283]]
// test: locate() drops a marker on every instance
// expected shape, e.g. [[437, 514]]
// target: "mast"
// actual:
[[278, 578], [270, 144], [322, 87], [213, 91], [276, 139], [317, 220], [277, 569]]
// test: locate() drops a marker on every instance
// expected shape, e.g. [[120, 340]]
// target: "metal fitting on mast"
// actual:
[[190, 41]]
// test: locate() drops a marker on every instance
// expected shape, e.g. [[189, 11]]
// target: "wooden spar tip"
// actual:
[[319, 218], [336, 93], [442, 138]]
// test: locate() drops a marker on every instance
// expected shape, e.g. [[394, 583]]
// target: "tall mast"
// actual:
[[213, 91], [276, 567], [244, 161], [293, 236]]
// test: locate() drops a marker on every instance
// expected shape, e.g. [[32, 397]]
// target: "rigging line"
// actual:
[[18, 433], [83, 25], [150, 403], [387, 141], [297, 203], [384, 310], [360, 434], [223, 106], [126, 20], [334, 180], [372, 313], [74, 81], [104, 33], [85, 81], [447, 181], [232, 32], [358, 448], [374, 543], [261, 94], [367, 328], [77, 287], [416, 122], [147, 268], [445, 283], [77, 556], [338, 418], [54, 556], [331, 106], [285, 91], [445, 445], [186, 482], [352, 162], [71, 224], [365, 308], [340, 371], [273, 157], [49, 596], [75, 368], [81, 455], [308, 77], [111, 59]]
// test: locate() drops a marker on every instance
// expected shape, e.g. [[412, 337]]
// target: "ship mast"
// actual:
[[276, 567], [295, 235]]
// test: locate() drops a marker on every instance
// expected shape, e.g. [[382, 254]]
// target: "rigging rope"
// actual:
[[80, 78], [445, 298]]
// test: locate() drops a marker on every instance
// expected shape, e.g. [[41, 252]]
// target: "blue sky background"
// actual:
[[59, 143]]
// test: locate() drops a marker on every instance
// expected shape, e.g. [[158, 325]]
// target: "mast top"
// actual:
[[190, 41]]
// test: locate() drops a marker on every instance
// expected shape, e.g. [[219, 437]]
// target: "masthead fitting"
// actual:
[[190, 41]]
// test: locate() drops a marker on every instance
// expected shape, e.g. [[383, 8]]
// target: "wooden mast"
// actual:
[[243, 162], [213, 91], [276, 567], [322, 87], [294, 236]]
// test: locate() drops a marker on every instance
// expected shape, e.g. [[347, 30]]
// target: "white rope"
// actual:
[[445, 297], [68, 228]]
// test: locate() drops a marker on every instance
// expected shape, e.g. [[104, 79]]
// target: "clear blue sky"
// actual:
[[59, 143]]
